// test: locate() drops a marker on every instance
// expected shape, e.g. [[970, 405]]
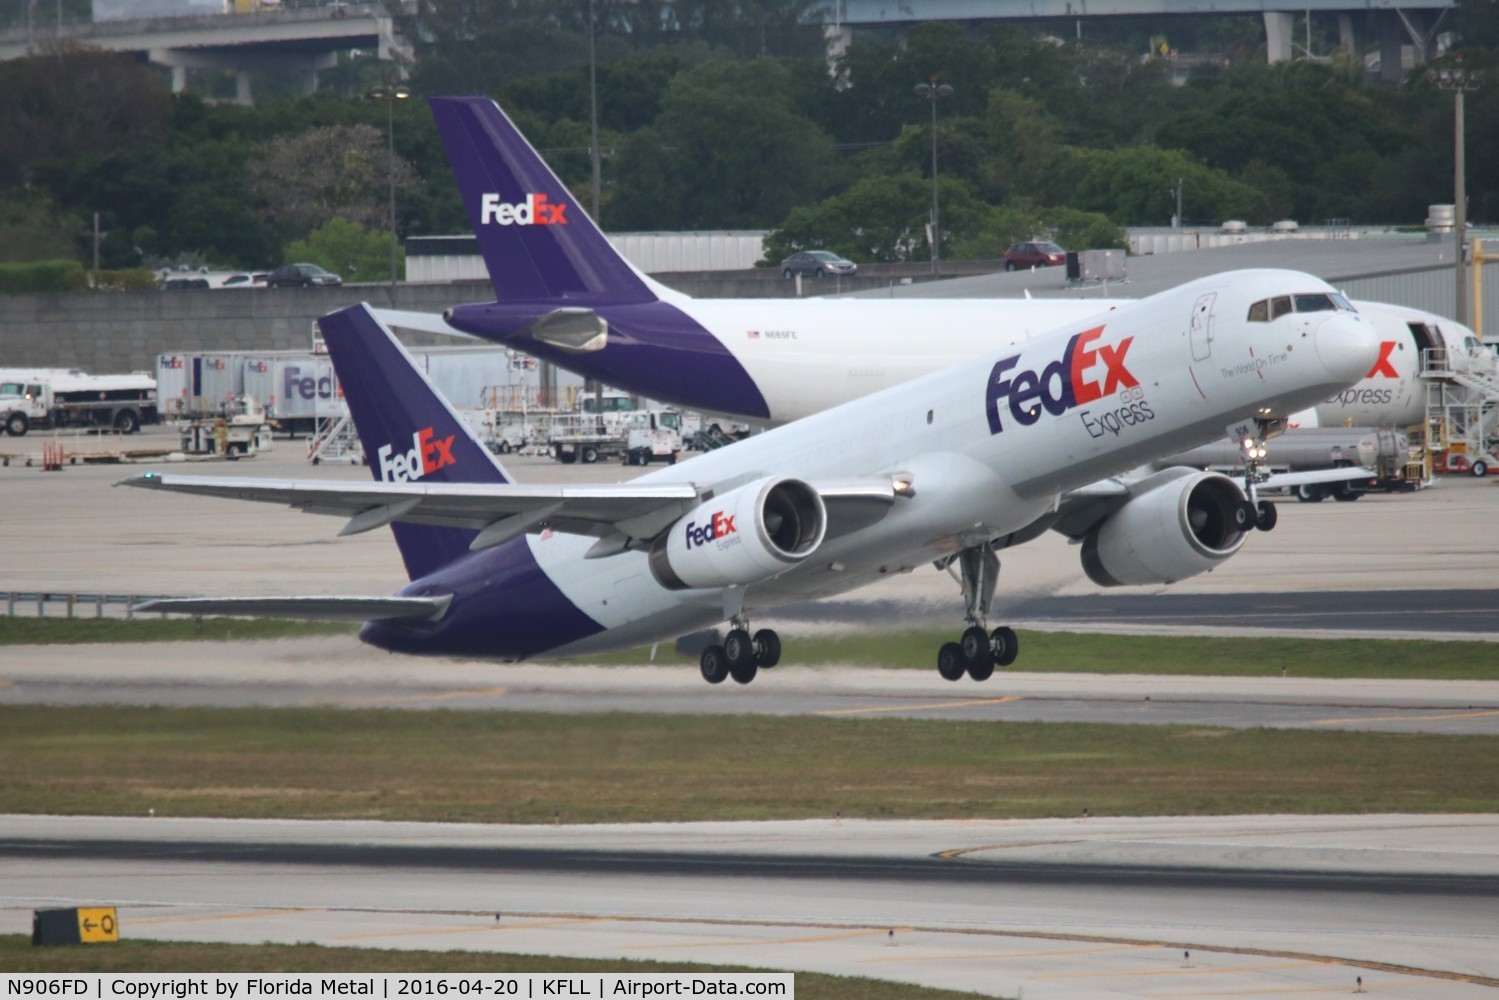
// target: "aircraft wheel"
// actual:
[[1310, 493], [982, 669], [743, 673], [1268, 516], [1245, 516], [1479, 468], [767, 648], [1006, 645], [950, 661], [713, 664], [738, 648], [977, 652]]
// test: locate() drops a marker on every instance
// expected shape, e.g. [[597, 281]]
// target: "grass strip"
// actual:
[[513, 767], [1211, 656], [18, 956], [15, 631], [1041, 652]]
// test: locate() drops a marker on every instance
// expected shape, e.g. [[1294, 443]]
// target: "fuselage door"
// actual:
[[1201, 327]]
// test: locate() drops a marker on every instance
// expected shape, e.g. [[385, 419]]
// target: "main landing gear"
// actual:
[[978, 651], [741, 656]]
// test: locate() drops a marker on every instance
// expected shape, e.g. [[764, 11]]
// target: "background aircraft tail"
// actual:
[[409, 432], [536, 240]]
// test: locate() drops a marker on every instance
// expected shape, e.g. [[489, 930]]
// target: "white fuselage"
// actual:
[[993, 443]]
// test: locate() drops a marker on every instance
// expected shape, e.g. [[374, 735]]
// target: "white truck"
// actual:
[[636, 437], [57, 398]]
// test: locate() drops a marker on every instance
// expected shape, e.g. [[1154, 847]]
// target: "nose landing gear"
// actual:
[[978, 651]]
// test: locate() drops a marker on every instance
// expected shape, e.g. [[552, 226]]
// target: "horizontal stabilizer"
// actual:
[[357, 609]]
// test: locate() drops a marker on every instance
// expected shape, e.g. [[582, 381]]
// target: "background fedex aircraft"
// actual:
[[947, 469], [563, 293]]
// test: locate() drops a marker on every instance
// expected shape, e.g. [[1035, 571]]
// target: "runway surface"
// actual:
[[1057, 908], [339, 671], [1049, 908]]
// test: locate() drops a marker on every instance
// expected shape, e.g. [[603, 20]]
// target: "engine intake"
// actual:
[[745, 536], [1179, 529]]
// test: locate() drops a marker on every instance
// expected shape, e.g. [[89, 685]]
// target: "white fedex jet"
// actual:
[[948, 469], [563, 293]]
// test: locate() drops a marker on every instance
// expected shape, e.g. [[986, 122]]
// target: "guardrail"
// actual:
[[40, 600]]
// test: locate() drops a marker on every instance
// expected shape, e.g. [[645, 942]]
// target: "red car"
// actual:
[[1034, 254]]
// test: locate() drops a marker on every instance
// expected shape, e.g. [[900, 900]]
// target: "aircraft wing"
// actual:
[[355, 609], [1289, 480], [626, 512]]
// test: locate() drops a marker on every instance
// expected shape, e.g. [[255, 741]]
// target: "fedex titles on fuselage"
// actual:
[[428, 454], [1362, 395], [1087, 372], [536, 210]]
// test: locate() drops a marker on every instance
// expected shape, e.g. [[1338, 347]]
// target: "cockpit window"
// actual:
[[1268, 309], [1314, 303]]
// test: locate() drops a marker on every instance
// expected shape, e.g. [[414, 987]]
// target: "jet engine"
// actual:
[[1178, 529], [746, 535]]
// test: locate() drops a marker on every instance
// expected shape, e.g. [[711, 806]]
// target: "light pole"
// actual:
[[932, 93], [390, 92], [1459, 80]]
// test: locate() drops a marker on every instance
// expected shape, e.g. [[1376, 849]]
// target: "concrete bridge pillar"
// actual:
[[1279, 26]]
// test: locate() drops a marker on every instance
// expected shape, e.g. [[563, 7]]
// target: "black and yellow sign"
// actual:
[[85, 925]]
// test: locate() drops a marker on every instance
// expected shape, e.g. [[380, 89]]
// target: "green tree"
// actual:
[[882, 219], [728, 151], [349, 250], [337, 171], [1133, 185]]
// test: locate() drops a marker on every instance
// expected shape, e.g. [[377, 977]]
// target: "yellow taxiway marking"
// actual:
[[919, 708], [976, 956], [1184, 971], [1439, 717], [470, 929], [135, 922], [439, 696]]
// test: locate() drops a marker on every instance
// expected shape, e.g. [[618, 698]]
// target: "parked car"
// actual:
[[817, 263], [1036, 253], [301, 276]]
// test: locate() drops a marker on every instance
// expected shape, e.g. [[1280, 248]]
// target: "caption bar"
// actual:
[[395, 986]]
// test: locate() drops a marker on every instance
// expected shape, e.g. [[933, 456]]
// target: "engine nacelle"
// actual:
[[745, 536], [1178, 529]]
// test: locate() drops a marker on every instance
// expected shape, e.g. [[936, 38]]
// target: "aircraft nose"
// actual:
[[1347, 346]]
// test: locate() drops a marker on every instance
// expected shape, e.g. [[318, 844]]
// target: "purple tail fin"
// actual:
[[409, 432], [537, 242]]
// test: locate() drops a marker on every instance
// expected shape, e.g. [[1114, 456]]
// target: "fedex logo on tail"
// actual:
[[717, 527], [534, 211], [428, 454], [1086, 372]]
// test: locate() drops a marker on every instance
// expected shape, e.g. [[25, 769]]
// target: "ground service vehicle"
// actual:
[[72, 399]]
